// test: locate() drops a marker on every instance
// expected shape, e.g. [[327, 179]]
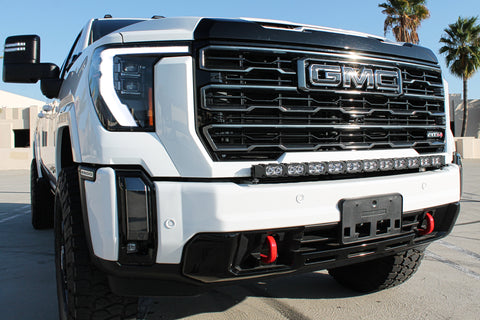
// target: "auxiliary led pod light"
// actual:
[[275, 170]]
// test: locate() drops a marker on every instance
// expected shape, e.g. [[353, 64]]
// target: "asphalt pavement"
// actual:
[[447, 285]]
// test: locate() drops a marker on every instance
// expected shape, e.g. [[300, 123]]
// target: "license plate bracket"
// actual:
[[371, 217]]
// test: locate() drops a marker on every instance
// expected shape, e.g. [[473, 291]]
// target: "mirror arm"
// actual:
[[16, 72]]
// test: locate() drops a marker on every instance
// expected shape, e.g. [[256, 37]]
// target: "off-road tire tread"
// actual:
[[379, 274], [41, 200], [89, 295]]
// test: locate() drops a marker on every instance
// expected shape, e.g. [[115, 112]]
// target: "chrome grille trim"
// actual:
[[340, 127], [310, 53]]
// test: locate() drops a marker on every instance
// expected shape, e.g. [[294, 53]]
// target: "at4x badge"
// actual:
[[434, 134]]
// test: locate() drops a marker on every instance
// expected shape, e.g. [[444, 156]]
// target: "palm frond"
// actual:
[[404, 17], [462, 53]]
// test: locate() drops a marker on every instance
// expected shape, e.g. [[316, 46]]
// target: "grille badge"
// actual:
[[348, 77], [434, 134]]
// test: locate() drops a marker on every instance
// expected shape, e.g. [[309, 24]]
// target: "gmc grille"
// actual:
[[257, 103]]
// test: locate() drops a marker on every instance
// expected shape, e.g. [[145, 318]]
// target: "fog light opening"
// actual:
[[136, 218], [270, 256]]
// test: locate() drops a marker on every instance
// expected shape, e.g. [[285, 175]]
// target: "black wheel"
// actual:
[[82, 290], [380, 273], [41, 199]]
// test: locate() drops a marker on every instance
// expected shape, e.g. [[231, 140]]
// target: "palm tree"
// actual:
[[462, 49], [404, 18]]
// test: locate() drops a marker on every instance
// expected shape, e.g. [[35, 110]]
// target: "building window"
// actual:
[[22, 138], [44, 138]]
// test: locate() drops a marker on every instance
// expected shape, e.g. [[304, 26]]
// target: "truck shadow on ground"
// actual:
[[305, 286], [28, 275]]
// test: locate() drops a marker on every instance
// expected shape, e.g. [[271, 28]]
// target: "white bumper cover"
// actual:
[[187, 208]]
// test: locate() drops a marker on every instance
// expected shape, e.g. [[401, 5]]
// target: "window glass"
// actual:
[[44, 138], [22, 138], [70, 58], [101, 28], [78, 46]]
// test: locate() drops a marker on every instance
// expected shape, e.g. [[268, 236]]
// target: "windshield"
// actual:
[[101, 28]]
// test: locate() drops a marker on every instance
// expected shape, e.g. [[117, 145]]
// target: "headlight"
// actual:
[[133, 82], [122, 86]]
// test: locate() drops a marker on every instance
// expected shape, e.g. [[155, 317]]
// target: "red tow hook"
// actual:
[[271, 256], [430, 225]]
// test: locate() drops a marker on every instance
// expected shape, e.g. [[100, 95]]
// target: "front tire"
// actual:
[[82, 289], [41, 200], [379, 274]]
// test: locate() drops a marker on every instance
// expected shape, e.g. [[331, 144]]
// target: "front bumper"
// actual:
[[191, 217], [213, 259]]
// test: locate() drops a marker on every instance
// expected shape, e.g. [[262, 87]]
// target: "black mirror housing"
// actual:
[[50, 87], [29, 73], [22, 49], [21, 61]]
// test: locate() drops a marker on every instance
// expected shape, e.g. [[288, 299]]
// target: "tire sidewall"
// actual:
[[83, 290], [41, 199], [59, 271]]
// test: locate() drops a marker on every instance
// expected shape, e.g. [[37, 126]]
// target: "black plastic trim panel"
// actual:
[[218, 257], [242, 30]]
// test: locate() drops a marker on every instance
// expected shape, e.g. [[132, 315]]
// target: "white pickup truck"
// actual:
[[181, 154]]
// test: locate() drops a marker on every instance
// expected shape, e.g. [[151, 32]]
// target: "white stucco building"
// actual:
[[473, 120], [468, 146], [18, 115]]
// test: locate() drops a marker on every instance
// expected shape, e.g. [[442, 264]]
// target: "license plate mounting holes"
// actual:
[[368, 218]]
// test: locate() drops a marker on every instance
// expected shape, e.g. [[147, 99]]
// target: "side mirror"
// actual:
[[51, 87], [21, 61]]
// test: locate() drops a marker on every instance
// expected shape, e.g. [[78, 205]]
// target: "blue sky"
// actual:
[[58, 22]]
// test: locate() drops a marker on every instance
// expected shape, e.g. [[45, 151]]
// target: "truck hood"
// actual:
[[166, 29], [184, 27], [276, 32]]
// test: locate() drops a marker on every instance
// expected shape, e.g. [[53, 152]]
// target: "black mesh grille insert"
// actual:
[[255, 103]]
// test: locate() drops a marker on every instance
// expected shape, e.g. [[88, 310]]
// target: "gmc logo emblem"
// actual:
[[356, 78]]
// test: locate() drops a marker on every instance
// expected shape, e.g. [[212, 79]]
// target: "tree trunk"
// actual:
[[465, 110]]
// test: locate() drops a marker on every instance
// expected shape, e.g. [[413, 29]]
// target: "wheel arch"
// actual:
[[36, 156], [67, 151], [64, 154]]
